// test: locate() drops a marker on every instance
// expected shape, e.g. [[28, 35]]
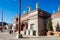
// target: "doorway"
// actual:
[[34, 33]]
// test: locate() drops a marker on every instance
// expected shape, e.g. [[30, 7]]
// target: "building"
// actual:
[[9, 26], [4, 23], [56, 20], [34, 22]]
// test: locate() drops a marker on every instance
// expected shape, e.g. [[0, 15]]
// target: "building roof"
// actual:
[[44, 13], [24, 14], [4, 23], [56, 15]]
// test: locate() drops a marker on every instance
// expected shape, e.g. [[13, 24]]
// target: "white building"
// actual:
[[56, 20], [34, 22]]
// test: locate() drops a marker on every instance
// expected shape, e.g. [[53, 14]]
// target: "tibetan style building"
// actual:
[[56, 21], [34, 22]]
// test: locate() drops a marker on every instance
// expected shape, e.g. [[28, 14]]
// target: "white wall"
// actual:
[[35, 27], [33, 19], [54, 23]]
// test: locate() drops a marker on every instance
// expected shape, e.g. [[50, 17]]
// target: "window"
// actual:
[[25, 32], [34, 33], [29, 33], [31, 26]]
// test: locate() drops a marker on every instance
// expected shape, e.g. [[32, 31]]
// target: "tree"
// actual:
[[49, 25]]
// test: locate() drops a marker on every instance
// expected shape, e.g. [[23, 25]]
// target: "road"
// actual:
[[7, 36]]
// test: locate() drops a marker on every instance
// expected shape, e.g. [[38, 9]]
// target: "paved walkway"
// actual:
[[7, 36]]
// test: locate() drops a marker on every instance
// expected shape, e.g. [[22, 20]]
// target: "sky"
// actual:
[[10, 7]]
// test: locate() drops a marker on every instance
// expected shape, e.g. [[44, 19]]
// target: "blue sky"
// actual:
[[10, 7]]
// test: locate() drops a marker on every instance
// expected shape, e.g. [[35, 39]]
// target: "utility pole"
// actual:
[[19, 35], [19, 17], [2, 20]]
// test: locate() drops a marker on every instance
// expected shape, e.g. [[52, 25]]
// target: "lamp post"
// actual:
[[19, 35]]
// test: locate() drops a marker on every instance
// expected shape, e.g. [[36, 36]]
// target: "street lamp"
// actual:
[[19, 35]]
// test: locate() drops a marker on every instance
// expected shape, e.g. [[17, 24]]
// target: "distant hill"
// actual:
[[4, 23]]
